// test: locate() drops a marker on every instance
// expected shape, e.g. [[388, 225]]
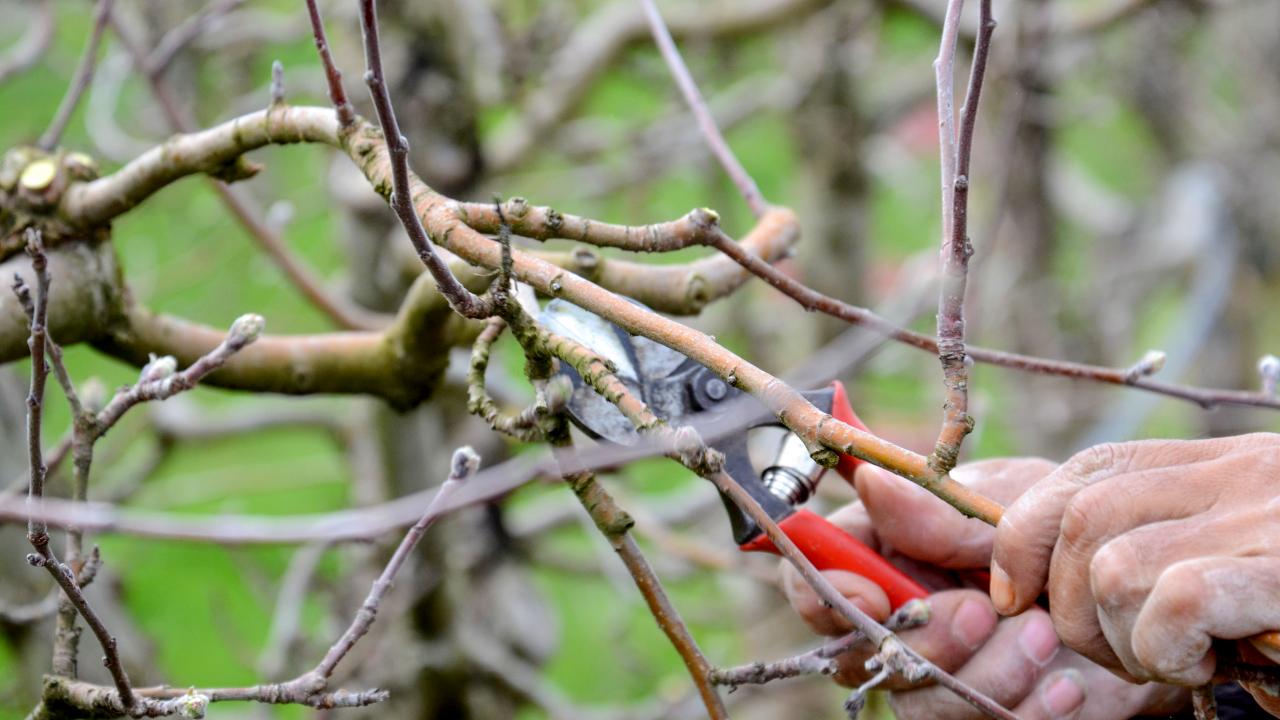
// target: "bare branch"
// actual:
[[333, 76], [955, 148], [614, 524], [37, 530], [698, 106], [80, 82], [464, 466], [460, 298], [344, 313], [160, 380]]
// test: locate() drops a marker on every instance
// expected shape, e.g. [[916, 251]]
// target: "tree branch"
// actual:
[[333, 76], [80, 81], [698, 106], [462, 300]]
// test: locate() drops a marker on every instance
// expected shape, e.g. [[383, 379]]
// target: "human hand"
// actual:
[[1150, 550], [1017, 661]]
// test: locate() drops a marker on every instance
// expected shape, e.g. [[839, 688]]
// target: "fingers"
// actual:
[[1093, 517], [1007, 668], [824, 620], [1029, 530], [1060, 696], [919, 525], [1124, 571], [1197, 600]]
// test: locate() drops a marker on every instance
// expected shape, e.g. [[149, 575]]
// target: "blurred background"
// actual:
[[1124, 192]]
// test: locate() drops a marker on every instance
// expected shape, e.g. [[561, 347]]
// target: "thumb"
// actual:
[[919, 525]]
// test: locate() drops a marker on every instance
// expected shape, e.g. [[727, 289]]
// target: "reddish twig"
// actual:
[[80, 81], [955, 149], [698, 106], [333, 76], [465, 302]]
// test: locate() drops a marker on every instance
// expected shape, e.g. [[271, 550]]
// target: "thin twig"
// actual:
[[333, 76], [80, 81], [463, 467], [37, 530], [879, 636], [614, 523], [159, 379], [820, 660], [698, 106], [955, 149], [461, 299]]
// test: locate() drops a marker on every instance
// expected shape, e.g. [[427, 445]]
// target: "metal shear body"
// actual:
[[682, 391]]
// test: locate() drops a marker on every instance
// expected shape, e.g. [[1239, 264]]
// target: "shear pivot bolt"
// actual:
[[716, 389]]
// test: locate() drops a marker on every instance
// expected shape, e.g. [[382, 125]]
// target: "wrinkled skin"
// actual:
[[1149, 551], [1017, 660]]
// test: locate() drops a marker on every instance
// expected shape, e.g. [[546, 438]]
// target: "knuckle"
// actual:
[[1072, 628], [1115, 573], [1092, 459], [1084, 515], [1182, 594]]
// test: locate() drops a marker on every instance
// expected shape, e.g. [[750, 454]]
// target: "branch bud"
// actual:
[[465, 464], [193, 705], [1269, 370], [245, 330], [93, 394], [158, 369], [1150, 364]]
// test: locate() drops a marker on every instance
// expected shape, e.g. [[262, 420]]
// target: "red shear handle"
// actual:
[[830, 548], [842, 410]]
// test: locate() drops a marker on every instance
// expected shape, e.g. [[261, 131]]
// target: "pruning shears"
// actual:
[[682, 391]]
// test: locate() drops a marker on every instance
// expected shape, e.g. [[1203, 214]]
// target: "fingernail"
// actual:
[[972, 624], [1064, 694], [1038, 640], [1001, 590]]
